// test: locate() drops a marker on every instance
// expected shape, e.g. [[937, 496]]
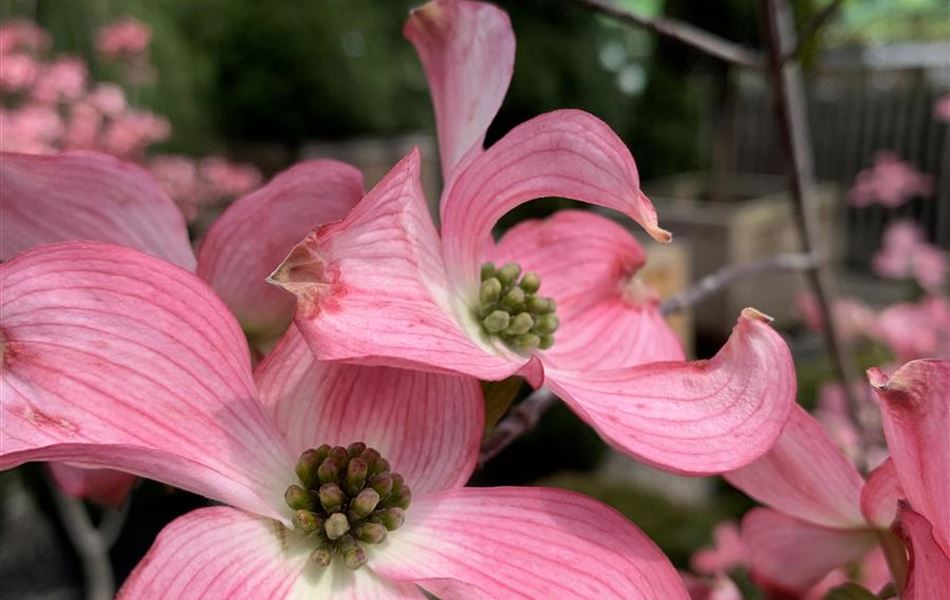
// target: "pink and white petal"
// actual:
[[372, 288], [427, 425], [794, 555], [588, 263], [928, 576], [112, 358], [566, 153], [219, 552], [255, 233], [805, 475], [467, 50], [700, 417], [102, 486], [916, 418], [526, 543], [880, 495], [87, 196]]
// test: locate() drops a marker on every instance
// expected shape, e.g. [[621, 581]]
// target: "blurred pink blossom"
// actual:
[[34, 129], [192, 183], [714, 588], [853, 317], [123, 38], [832, 412], [129, 133], [942, 109], [22, 35], [890, 182], [62, 79], [17, 72], [906, 254], [916, 330], [229, 179], [108, 98], [726, 553]]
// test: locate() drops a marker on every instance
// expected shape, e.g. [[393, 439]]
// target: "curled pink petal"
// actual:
[[928, 576], [805, 476], [427, 425], [257, 231], [102, 486], [468, 52], [793, 555], [565, 153], [373, 288], [112, 358], [527, 543], [916, 415], [701, 417], [588, 263], [88, 196], [880, 495], [219, 552]]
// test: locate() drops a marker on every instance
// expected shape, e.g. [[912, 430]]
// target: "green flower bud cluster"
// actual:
[[348, 497], [510, 308]]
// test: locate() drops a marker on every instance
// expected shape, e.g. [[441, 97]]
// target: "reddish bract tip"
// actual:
[[752, 313]]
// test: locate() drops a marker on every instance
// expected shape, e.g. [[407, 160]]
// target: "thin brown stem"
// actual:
[[681, 32], [520, 420], [792, 121], [811, 28], [726, 276]]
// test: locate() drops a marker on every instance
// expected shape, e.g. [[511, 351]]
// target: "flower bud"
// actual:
[[522, 323], [306, 521], [490, 291], [355, 476], [547, 323], [383, 484], [331, 497], [380, 465], [323, 555], [508, 274], [336, 525], [371, 533], [328, 472], [307, 466], [527, 341], [364, 503], [488, 271], [513, 300], [497, 321], [296, 497], [340, 456], [355, 449], [390, 518], [530, 283], [353, 556], [547, 340]]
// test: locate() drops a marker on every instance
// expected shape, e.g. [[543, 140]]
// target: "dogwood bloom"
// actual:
[[890, 182], [123, 38], [906, 254], [823, 514], [557, 302], [340, 481]]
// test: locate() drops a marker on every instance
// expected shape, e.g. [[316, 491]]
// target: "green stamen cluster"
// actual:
[[348, 497], [510, 308]]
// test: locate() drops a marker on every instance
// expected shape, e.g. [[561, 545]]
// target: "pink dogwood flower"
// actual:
[[942, 108], [823, 514], [123, 38], [382, 286], [113, 358], [727, 552], [890, 182], [906, 254]]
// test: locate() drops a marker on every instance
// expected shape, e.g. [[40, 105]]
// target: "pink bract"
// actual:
[[890, 182], [383, 286], [152, 376]]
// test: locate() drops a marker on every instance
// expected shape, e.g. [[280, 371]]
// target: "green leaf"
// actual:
[[498, 398]]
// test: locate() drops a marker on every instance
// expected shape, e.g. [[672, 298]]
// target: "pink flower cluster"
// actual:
[[49, 104], [907, 255], [890, 182]]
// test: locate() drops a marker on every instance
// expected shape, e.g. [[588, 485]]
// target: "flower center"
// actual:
[[348, 497], [510, 308]]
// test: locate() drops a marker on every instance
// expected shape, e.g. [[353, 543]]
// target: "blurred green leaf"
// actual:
[[499, 395]]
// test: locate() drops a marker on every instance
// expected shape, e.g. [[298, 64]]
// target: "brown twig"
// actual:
[[520, 420], [810, 28], [683, 33], [723, 278], [790, 116]]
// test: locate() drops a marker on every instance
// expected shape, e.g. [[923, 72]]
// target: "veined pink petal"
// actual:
[[565, 153], [794, 555], [928, 575], [916, 418], [805, 475], [467, 50], [880, 495], [87, 196], [701, 417], [219, 552], [256, 232], [112, 358], [527, 543], [372, 288], [427, 425], [588, 263], [102, 486]]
